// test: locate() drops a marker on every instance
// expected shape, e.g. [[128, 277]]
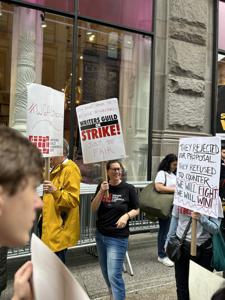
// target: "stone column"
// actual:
[[26, 67], [183, 73]]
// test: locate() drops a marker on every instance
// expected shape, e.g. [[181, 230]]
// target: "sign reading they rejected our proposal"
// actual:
[[198, 173], [45, 119], [100, 131]]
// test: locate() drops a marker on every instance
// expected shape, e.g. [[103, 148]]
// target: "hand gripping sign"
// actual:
[[100, 131]]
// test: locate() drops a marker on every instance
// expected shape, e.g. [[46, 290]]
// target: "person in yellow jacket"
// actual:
[[60, 214]]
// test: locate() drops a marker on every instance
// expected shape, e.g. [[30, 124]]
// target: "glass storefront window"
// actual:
[[221, 37], [114, 63], [110, 63], [5, 61], [134, 14], [57, 58], [220, 121], [60, 5], [221, 95]]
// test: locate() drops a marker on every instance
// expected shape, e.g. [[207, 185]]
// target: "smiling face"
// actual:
[[17, 213], [115, 172]]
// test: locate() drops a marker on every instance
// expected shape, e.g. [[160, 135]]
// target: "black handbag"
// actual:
[[154, 204], [173, 248]]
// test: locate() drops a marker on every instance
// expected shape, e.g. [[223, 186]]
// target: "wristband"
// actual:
[[128, 216]]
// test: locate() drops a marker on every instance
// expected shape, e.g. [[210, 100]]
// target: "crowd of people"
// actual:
[[115, 203]]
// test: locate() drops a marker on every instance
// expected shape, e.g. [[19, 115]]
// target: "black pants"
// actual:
[[62, 255], [203, 258]]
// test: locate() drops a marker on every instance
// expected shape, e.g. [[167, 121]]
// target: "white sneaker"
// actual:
[[166, 261]]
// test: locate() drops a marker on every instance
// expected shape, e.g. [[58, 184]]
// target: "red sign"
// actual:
[[41, 142]]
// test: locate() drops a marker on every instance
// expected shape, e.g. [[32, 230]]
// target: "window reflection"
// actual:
[[110, 63], [221, 95]]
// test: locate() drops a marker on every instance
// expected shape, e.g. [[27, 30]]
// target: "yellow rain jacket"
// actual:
[[61, 220]]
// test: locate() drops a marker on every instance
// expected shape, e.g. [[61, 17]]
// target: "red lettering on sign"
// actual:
[[105, 131], [83, 135], [100, 132], [113, 129], [96, 133], [118, 128]]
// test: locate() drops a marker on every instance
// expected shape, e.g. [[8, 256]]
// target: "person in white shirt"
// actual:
[[165, 182]]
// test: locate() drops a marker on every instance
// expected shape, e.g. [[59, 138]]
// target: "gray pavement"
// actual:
[[151, 279]]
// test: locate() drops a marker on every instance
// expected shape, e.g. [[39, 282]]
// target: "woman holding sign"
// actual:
[[113, 214], [206, 226], [165, 182]]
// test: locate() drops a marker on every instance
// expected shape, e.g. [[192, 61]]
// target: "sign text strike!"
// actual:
[[96, 133]]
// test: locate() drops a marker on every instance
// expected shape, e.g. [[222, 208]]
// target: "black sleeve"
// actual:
[[133, 198]]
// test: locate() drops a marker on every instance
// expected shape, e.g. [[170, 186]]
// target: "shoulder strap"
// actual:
[[165, 178], [185, 231]]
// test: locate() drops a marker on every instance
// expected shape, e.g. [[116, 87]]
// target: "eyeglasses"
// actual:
[[115, 169]]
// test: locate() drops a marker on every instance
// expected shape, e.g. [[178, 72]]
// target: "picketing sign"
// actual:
[[198, 173], [100, 131], [45, 119], [203, 283], [51, 279]]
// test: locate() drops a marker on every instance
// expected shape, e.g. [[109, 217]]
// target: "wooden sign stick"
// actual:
[[193, 237], [105, 176], [47, 167]]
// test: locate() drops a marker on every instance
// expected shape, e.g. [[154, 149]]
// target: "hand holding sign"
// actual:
[[198, 172], [100, 131]]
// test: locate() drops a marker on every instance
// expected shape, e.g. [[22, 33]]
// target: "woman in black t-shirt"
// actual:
[[113, 214]]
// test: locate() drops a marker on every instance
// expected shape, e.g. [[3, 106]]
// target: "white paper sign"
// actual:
[[203, 283], [51, 278], [100, 131], [45, 119], [198, 173]]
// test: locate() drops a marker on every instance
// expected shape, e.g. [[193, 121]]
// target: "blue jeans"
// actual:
[[164, 225], [111, 254]]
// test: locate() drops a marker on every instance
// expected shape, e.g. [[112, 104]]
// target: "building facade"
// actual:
[[158, 57]]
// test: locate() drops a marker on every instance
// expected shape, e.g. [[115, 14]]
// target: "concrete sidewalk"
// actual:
[[151, 279]]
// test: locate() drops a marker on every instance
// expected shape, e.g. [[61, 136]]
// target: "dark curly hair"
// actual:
[[165, 163]]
